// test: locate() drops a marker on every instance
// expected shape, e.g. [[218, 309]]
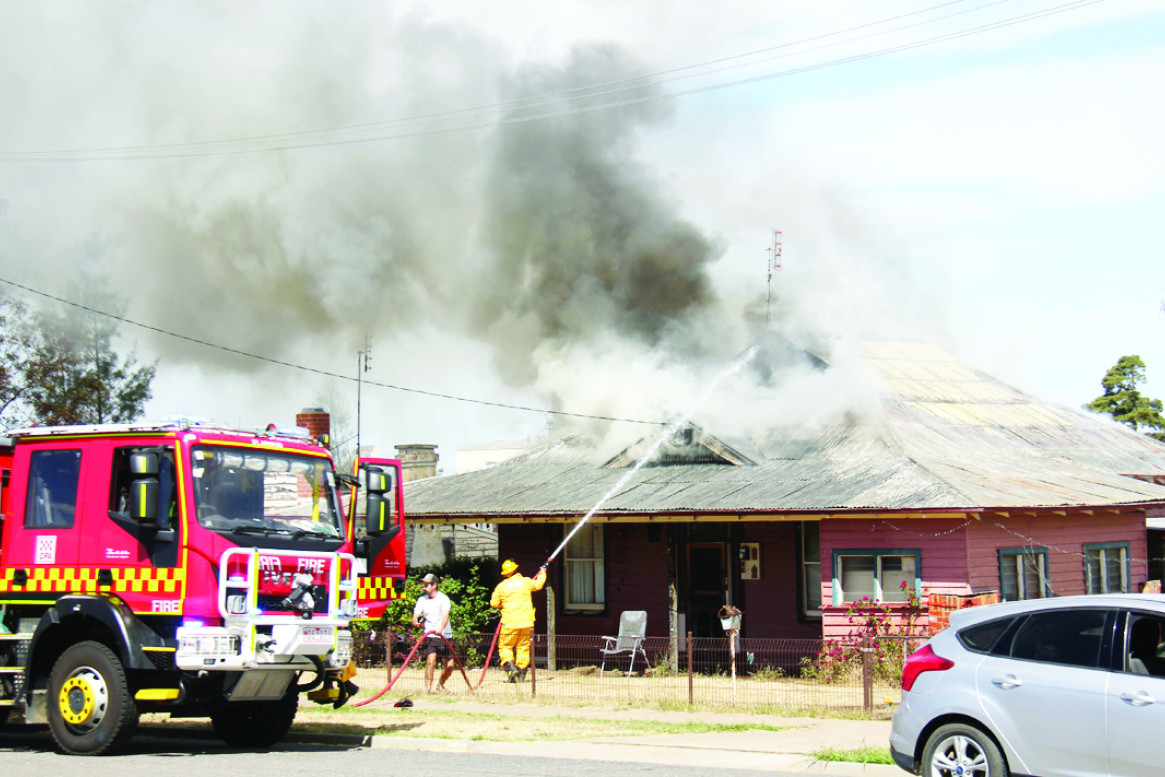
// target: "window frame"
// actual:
[[598, 566], [806, 564], [1013, 554], [1103, 548], [839, 598]]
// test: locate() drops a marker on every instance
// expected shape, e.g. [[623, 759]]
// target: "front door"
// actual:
[[706, 571]]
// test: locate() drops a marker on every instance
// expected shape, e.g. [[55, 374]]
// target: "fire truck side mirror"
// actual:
[[379, 512], [144, 490]]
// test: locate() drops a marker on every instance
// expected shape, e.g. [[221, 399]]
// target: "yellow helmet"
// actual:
[[508, 568]]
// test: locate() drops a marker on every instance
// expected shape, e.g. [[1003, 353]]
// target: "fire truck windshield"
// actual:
[[266, 493]]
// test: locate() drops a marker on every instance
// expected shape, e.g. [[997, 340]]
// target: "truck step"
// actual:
[[14, 655]]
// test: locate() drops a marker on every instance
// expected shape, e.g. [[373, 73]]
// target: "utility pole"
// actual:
[[363, 360], [774, 263]]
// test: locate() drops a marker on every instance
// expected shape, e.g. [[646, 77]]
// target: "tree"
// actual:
[[1124, 402], [17, 336], [70, 372]]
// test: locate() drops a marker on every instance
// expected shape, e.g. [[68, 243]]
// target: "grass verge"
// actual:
[[501, 727], [861, 755]]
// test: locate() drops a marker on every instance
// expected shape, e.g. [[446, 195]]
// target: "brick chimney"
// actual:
[[418, 461], [316, 420]]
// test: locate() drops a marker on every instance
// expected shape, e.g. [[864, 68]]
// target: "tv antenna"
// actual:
[[774, 264], [363, 360]]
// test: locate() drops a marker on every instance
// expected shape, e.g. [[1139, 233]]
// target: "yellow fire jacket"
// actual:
[[512, 596]]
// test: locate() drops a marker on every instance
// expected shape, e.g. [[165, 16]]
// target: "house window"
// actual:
[[1023, 573], [809, 557], [585, 572], [1106, 568], [881, 575]]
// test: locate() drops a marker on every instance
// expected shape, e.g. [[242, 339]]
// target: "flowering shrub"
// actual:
[[878, 628]]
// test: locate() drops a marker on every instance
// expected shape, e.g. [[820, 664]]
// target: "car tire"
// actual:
[[964, 750], [90, 709]]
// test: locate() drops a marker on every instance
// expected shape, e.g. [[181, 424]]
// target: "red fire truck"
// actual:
[[184, 569]]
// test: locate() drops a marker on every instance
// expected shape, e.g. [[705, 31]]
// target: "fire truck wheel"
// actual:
[[90, 707], [255, 723]]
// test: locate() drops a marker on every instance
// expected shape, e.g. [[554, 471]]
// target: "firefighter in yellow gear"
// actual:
[[512, 597]]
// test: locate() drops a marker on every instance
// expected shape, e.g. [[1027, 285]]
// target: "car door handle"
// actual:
[[1138, 698], [1007, 681]]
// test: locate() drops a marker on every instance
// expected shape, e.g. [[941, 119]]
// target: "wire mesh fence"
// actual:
[[853, 676]]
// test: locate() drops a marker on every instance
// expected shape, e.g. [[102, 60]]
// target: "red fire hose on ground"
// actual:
[[488, 656], [456, 658]]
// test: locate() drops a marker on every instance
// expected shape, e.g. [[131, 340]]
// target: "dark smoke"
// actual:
[[583, 240]]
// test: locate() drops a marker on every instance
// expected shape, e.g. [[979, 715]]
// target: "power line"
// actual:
[[482, 117], [325, 373]]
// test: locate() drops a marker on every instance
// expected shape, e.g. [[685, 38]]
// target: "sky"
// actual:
[[571, 206]]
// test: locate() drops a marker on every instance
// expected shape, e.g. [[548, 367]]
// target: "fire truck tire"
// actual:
[[255, 723], [3, 715], [90, 708]]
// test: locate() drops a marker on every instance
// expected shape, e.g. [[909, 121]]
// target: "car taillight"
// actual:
[[923, 660]]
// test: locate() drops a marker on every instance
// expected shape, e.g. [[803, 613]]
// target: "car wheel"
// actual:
[[90, 708], [255, 723], [959, 750]]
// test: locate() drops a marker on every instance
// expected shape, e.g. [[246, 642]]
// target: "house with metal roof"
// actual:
[[959, 485]]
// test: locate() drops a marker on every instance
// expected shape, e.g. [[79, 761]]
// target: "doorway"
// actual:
[[706, 570]]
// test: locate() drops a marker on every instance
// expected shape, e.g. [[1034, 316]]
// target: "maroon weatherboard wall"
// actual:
[[957, 556], [637, 578]]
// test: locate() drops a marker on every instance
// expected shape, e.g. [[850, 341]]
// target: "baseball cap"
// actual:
[[430, 578]]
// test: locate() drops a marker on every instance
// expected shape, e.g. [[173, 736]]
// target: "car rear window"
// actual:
[[982, 636]]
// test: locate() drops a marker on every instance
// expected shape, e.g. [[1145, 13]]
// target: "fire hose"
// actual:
[[488, 656], [456, 658]]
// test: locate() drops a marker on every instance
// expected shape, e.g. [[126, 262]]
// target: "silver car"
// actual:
[[1048, 687]]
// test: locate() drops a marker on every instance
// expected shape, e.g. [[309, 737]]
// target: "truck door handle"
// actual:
[[1007, 681], [1138, 698]]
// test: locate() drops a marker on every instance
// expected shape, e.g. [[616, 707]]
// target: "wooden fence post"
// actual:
[[551, 642], [867, 674]]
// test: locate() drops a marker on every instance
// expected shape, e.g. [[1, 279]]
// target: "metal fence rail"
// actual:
[[761, 675]]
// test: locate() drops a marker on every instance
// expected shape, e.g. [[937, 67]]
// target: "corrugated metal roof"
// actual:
[[950, 438]]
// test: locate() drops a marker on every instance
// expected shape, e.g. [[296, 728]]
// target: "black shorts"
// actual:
[[435, 646]]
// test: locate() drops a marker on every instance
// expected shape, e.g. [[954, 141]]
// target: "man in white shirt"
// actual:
[[432, 610]]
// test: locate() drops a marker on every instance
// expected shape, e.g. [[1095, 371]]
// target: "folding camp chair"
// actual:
[[632, 628]]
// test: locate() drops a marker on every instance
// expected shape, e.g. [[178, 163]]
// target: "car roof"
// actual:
[[971, 615]]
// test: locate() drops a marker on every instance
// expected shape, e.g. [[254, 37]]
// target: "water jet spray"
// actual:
[[666, 434]]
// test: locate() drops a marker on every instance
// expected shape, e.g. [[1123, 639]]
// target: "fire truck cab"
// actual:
[[183, 569]]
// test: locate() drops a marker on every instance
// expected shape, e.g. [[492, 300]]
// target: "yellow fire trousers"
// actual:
[[515, 641]]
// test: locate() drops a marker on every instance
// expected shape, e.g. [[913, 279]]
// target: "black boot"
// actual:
[[511, 673], [522, 675]]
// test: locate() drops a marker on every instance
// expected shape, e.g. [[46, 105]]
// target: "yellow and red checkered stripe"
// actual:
[[63, 580], [374, 589]]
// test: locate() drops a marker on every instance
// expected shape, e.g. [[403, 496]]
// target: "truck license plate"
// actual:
[[318, 635]]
